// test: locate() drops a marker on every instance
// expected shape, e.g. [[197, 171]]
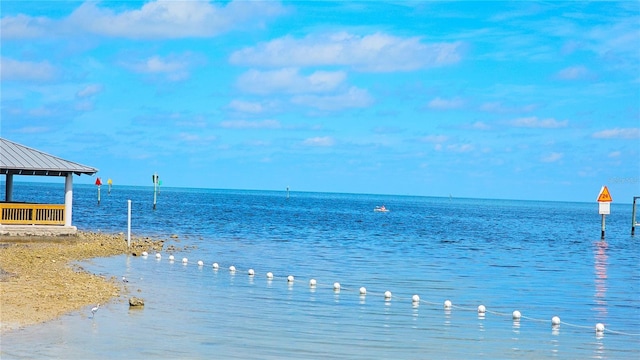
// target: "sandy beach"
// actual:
[[38, 281]]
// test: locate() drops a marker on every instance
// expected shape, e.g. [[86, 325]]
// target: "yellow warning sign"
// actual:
[[604, 195]]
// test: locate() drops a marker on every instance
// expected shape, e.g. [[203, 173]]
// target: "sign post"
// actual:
[[98, 183], [109, 182], [155, 189], [604, 206]]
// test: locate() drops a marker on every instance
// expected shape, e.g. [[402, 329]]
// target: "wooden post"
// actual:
[[128, 223], [155, 189], [633, 216]]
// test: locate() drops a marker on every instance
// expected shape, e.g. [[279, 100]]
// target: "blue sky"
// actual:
[[513, 100]]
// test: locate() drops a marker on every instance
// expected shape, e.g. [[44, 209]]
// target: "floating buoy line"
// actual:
[[447, 305]]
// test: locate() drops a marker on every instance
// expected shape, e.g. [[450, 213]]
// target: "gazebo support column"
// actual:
[[8, 188], [68, 199]]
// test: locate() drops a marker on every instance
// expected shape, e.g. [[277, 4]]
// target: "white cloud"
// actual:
[[89, 90], [353, 98], [325, 141], [445, 104], [22, 26], [460, 148], [434, 138], [534, 122], [173, 67], [479, 125], [244, 124], [573, 73], [500, 108], [11, 69], [618, 133], [553, 157], [246, 106], [376, 52], [615, 154], [290, 81], [154, 20]]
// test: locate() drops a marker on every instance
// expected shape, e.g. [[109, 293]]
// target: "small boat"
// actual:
[[381, 209]]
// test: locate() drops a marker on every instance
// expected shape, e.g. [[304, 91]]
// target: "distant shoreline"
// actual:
[[39, 283]]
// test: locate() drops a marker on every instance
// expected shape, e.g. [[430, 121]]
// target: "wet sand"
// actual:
[[38, 281]]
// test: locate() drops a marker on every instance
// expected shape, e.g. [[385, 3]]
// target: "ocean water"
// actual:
[[543, 259]]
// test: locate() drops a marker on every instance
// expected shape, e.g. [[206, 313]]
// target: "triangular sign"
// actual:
[[98, 182], [604, 195]]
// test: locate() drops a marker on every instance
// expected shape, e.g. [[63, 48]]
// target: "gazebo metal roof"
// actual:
[[22, 160]]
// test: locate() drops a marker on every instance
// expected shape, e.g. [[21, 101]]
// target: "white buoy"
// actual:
[[599, 327], [415, 298], [251, 272], [200, 262], [555, 321], [185, 260], [269, 275], [232, 268], [482, 309], [290, 278], [336, 286], [363, 291], [516, 315], [144, 253], [171, 258], [215, 266], [312, 282], [387, 294], [447, 304], [158, 256]]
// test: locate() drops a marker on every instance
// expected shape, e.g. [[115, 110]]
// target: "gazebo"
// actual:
[[18, 218]]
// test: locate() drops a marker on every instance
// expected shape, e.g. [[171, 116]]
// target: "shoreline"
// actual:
[[39, 283]]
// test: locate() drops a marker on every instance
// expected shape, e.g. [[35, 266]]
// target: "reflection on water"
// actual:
[[601, 280]]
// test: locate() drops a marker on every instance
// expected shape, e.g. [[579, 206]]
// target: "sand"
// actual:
[[38, 282]]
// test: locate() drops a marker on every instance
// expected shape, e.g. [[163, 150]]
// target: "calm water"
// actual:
[[544, 259]]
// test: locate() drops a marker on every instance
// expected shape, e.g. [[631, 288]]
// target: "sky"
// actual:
[[503, 100]]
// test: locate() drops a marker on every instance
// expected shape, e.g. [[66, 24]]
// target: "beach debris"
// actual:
[[136, 302], [94, 310]]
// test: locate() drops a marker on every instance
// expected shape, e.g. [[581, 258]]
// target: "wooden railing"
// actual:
[[31, 214]]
